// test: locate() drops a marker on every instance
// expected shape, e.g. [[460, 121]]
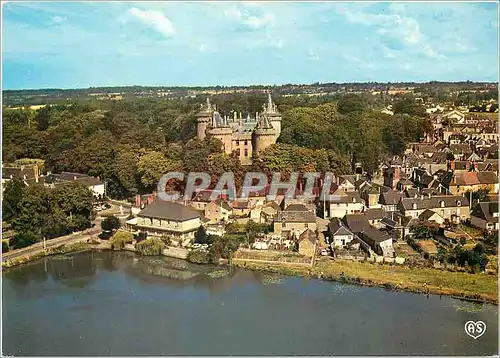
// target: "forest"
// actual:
[[131, 143]]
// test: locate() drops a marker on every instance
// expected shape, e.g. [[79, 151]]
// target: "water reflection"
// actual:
[[117, 303]]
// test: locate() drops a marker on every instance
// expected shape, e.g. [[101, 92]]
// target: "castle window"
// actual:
[[246, 142], [237, 142], [246, 152]]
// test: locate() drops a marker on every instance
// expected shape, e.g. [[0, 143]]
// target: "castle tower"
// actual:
[[221, 130], [264, 134], [273, 114], [203, 119]]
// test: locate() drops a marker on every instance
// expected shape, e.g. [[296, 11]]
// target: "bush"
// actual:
[[150, 247], [24, 239], [105, 235], [198, 257], [120, 239], [5, 246], [110, 223]]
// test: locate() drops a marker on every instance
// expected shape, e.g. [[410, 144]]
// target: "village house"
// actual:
[[307, 243], [27, 174], [218, 210], [339, 235], [294, 220], [389, 199], [485, 216], [370, 193], [474, 181], [93, 183], [164, 218], [429, 215], [377, 241], [348, 202], [452, 208]]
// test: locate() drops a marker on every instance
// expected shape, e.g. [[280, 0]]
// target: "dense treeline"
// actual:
[[131, 143], [354, 131], [36, 211]]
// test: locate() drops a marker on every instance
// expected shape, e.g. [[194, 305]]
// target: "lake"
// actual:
[[107, 303]]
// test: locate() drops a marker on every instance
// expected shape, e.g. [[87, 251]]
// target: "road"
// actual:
[[38, 247]]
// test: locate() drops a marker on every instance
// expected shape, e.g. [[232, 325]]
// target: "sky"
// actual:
[[90, 44]]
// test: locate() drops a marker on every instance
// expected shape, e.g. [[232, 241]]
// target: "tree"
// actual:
[[152, 165], [24, 239], [110, 223], [120, 239], [351, 103], [150, 247], [12, 196], [201, 236]]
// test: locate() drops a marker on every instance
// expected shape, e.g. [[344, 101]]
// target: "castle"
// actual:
[[247, 137]]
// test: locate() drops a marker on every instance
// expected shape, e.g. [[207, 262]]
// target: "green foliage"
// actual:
[[201, 236], [199, 256], [224, 247], [12, 196], [24, 239], [110, 223], [5, 246], [150, 247], [120, 239], [351, 103], [410, 107], [152, 165], [53, 212]]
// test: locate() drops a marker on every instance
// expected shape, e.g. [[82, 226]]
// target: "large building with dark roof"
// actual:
[[164, 218]]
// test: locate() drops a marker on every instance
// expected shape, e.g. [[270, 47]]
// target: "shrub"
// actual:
[[5, 246], [198, 257], [110, 223], [120, 239], [150, 247], [105, 235]]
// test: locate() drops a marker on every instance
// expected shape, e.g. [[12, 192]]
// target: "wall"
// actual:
[[342, 209]]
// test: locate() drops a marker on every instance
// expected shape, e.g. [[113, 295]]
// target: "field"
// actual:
[[428, 246]]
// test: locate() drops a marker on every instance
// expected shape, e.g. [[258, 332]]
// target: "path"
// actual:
[[38, 247]]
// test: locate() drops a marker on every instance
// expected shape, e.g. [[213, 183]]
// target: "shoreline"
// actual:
[[317, 271]]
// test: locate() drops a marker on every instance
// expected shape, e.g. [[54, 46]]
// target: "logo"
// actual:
[[475, 329]]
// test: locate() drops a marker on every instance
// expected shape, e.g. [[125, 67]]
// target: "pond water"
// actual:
[[106, 303]]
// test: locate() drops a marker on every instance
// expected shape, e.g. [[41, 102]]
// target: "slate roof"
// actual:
[[18, 173], [389, 196], [427, 214], [296, 213], [160, 209], [336, 227], [434, 202], [374, 214], [308, 235], [486, 210], [345, 197]]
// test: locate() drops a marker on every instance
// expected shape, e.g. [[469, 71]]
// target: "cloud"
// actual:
[[155, 19], [251, 21], [398, 27]]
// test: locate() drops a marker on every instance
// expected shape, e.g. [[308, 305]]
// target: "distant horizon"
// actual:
[[254, 85], [79, 45]]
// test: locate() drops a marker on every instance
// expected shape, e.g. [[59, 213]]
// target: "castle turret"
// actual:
[[203, 119], [264, 134], [273, 114], [221, 130]]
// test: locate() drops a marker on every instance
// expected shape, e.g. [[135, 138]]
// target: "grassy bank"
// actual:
[[420, 280]]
